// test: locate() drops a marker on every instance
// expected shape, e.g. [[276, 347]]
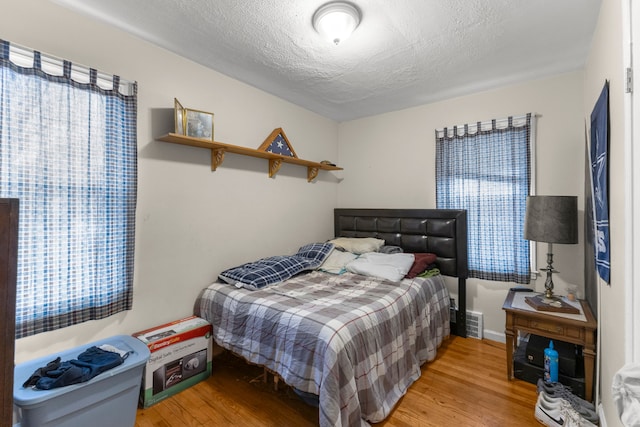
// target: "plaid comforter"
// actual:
[[356, 342]]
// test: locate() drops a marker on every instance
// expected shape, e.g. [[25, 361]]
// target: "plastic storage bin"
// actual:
[[107, 400]]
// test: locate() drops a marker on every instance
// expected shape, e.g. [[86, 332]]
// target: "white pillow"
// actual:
[[385, 266], [336, 262], [358, 245]]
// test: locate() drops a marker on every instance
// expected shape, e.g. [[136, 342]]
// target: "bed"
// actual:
[[440, 231], [354, 341]]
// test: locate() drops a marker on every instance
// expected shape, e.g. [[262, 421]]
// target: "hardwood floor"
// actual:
[[465, 386]]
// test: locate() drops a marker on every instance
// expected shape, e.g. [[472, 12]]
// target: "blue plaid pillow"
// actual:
[[268, 271], [315, 252]]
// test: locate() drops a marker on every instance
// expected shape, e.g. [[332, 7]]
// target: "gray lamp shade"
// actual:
[[551, 219]]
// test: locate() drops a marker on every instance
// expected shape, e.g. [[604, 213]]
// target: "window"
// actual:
[[486, 169], [68, 151]]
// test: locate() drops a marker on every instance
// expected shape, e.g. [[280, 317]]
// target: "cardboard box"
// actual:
[[108, 399], [180, 357]]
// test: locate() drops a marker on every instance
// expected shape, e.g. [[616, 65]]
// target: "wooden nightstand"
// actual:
[[576, 329]]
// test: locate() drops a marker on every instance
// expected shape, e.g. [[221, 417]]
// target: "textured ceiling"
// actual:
[[404, 53]]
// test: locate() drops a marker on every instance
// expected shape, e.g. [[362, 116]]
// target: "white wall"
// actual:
[[389, 161], [191, 222], [606, 63]]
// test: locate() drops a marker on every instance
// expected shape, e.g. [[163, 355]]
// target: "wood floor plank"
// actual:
[[466, 385]]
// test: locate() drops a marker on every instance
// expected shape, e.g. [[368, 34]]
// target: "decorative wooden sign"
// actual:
[[540, 303]]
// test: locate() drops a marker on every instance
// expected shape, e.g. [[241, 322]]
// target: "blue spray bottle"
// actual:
[[551, 364]]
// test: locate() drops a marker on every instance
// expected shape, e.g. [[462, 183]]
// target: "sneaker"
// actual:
[[582, 411], [560, 390], [572, 418], [550, 415], [562, 415]]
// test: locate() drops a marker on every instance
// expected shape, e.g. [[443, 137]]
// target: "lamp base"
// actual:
[[548, 284]]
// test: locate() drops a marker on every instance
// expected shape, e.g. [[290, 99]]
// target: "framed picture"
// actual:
[[199, 124], [179, 117]]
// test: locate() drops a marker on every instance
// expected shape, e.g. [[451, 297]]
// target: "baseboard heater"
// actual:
[[474, 325]]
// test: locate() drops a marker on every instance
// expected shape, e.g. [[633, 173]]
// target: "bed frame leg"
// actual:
[[265, 378]]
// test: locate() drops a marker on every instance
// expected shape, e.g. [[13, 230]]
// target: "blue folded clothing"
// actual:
[[91, 362]]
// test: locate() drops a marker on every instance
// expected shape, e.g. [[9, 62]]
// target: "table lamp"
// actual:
[[551, 219]]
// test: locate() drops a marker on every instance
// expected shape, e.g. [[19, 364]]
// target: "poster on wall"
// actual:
[[590, 270], [600, 181]]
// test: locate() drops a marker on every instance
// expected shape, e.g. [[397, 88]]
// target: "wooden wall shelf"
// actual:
[[218, 150]]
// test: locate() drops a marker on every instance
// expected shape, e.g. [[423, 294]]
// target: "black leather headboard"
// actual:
[[440, 231]]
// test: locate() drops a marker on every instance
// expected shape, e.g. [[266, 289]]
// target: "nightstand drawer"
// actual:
[[551, 327], [541, 325]]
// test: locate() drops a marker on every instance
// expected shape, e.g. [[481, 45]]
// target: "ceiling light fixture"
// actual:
[[336, 21]]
